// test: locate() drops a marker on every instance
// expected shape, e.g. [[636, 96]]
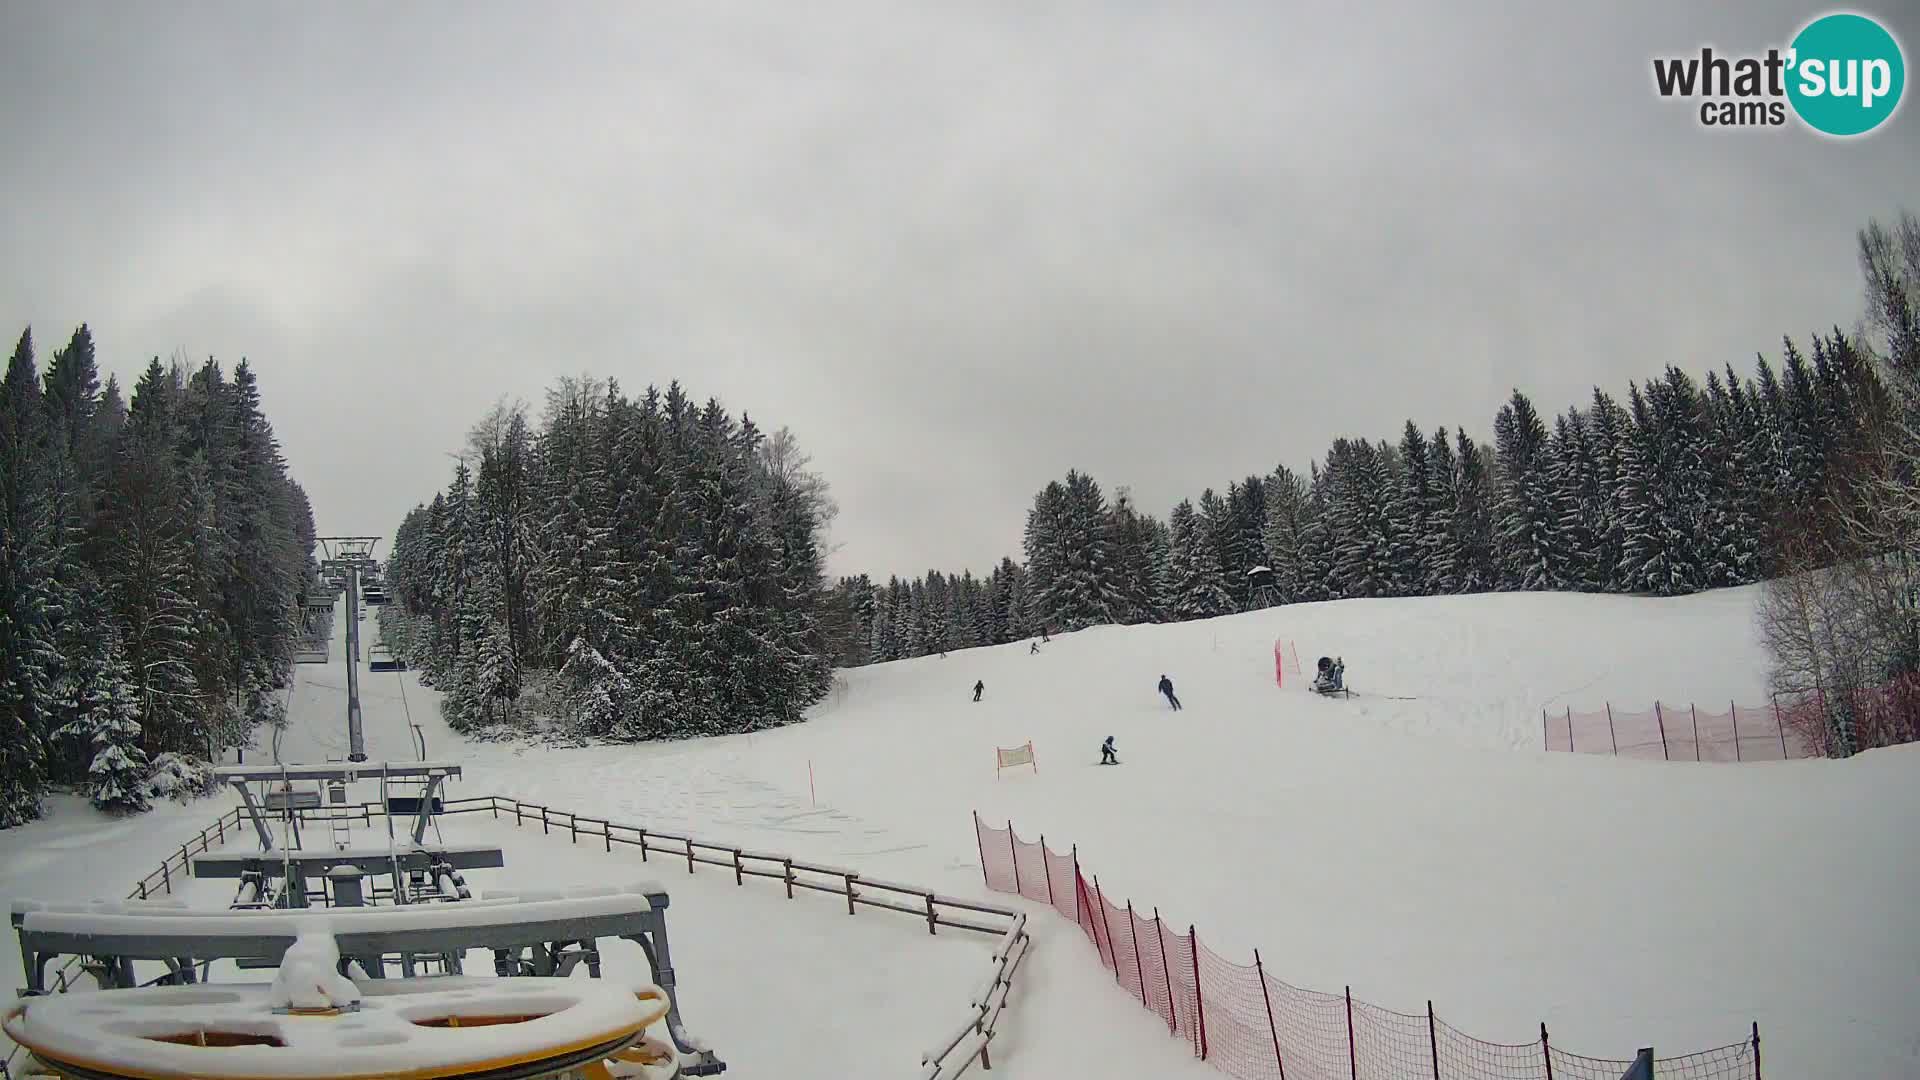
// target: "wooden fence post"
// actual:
[[1735, 713], [1046, 867], [1569, 727], [1662, 721], [1353, 1054], [1756, 1050], [1611, 734], [1272, 1029], [1779, 728], [1199, 1002], [1546, 1050], [1695, 711], [1546, 740]]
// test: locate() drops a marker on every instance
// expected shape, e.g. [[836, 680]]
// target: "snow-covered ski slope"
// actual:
[[1413, 849]]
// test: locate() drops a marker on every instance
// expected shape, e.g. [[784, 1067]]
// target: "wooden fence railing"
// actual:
[[969, 1043]]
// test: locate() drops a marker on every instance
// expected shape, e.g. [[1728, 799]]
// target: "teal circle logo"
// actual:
[[1846, 74]]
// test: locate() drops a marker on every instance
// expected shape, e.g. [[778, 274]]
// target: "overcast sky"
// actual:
[[957, 248]]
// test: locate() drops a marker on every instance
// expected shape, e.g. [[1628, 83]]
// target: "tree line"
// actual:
[[632, 568], [153, 555], [1682, 488]]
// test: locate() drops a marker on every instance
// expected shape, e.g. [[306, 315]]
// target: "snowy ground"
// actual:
[[1414, 849]]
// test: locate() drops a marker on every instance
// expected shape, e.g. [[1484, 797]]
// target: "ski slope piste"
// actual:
[[1413, 843]]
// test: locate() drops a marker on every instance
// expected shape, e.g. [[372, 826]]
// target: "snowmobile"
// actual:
[[1331, 679]]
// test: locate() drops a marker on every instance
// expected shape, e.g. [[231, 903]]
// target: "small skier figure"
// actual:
[[979, 686], [1106, 753], [1166, 687], [1034, 648]]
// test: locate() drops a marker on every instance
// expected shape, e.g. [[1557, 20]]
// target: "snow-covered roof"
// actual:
[[389, 1032]]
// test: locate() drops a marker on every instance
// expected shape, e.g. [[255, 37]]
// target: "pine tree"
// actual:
[[1286, 506], [1528, 524], [1571, 472], [1473, 518], [1411, 512], [1607, 428], [1440, 541], [27, 562], [1195, 569], [102, 713]]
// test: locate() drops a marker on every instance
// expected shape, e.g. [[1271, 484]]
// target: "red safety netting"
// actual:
[[1253, 1026], [1689, 732]]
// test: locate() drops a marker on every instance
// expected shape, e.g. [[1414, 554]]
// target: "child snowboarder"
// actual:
[[1106, 753], [979, 686], [1166, 687]]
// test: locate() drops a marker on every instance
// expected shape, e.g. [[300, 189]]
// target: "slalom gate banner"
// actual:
[[1009, 757]]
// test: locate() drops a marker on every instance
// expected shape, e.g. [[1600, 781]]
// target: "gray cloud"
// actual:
[[958, 251]]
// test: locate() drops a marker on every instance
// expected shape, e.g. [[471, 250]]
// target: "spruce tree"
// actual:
[[27, 563], [1441, 541], [1527, 526], [1473, 518], [1195, 569], [1411, 511]]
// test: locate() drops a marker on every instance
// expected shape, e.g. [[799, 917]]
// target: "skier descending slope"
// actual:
[[979, 687], [1166, 687], [1107, 756]]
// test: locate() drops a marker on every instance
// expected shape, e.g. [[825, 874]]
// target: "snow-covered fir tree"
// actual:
[[1195, 569], [1527, 525]]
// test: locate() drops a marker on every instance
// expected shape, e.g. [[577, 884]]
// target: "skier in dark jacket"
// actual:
[[1106, 753], [979, 687], [1166, 687]]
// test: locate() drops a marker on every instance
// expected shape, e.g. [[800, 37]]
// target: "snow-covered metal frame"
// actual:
[[531, 934], [972, 1040], [432, 773]]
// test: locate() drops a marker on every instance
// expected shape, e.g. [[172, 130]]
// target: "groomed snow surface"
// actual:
[[1414, 849]]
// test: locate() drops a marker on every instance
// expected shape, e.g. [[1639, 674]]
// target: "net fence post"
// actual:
[[1756, 1050], [1546, 740], [1612, 735], [1353, 1053], [1076, 883], [1694, 710], [979, 842], [1660, 719], [1106, 923], [1779, 728], [1046, 866], [1433, 1039], [1139, 970], [1546, 1050], [1166, 973], [1260, 972], [1734, 711], [1569, 728], [1014, 854], [1199, 1002]]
